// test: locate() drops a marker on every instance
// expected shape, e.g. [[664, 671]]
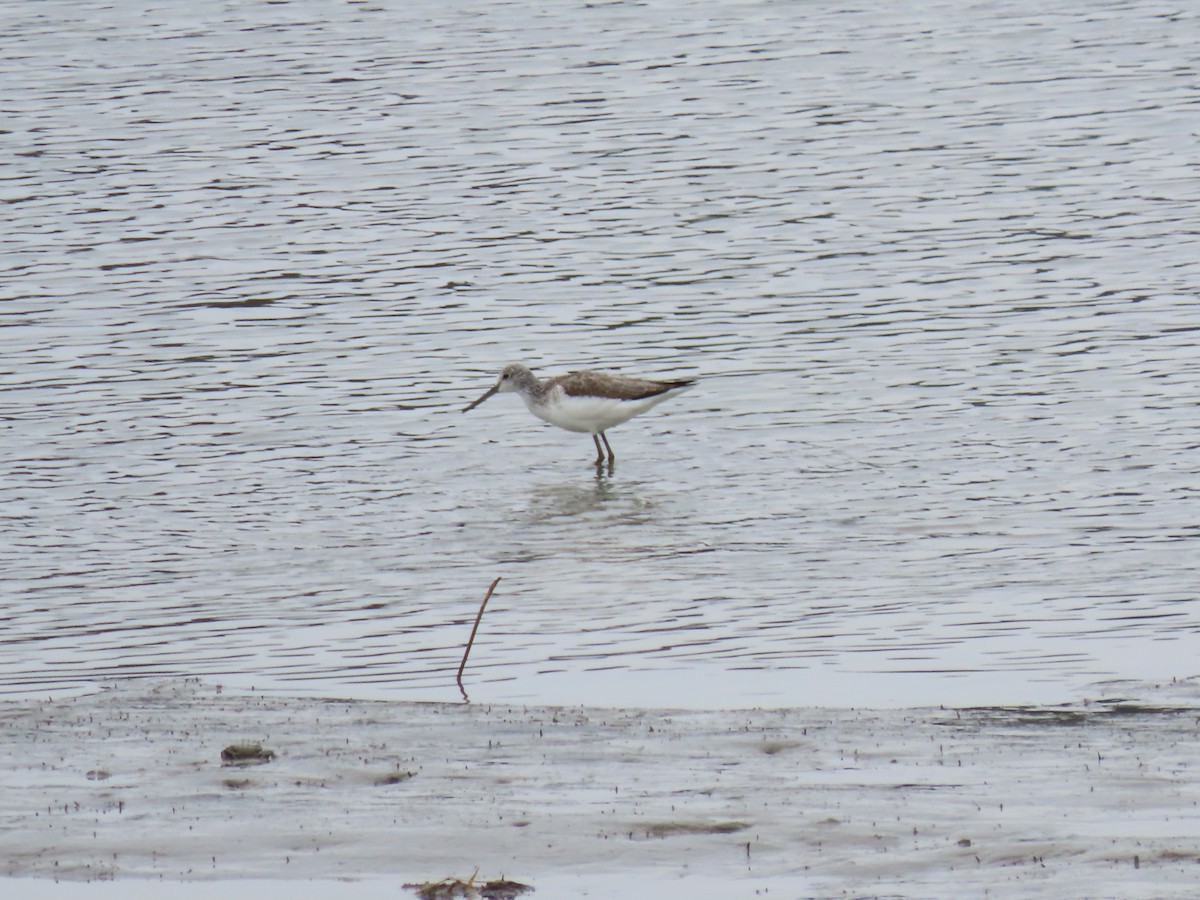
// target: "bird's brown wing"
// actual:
[[610, 384]]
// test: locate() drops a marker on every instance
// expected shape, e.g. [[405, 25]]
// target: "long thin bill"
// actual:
[[481, 399]]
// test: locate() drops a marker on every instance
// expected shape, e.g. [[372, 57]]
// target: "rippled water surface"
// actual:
[[935, 267]]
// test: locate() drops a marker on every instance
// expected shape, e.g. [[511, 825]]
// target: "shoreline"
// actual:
[[128, 784]]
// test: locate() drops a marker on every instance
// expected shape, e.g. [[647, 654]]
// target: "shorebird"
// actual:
[[591, 402]]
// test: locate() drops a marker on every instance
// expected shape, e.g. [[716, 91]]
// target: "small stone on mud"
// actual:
[[245, 755]]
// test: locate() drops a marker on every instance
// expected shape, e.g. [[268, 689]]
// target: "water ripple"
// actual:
[[934, 266]]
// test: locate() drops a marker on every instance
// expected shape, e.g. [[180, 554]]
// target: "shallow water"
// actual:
[[934, 266]]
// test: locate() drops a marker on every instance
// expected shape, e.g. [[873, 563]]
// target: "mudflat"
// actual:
[[1100, 798]]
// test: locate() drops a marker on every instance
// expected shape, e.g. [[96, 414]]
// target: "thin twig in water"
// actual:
[[471, 639]]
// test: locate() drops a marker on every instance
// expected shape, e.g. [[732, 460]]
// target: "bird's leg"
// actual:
[[599, 452], [612, 457]]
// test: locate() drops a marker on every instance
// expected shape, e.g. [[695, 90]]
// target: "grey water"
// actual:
[[934, 265]]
